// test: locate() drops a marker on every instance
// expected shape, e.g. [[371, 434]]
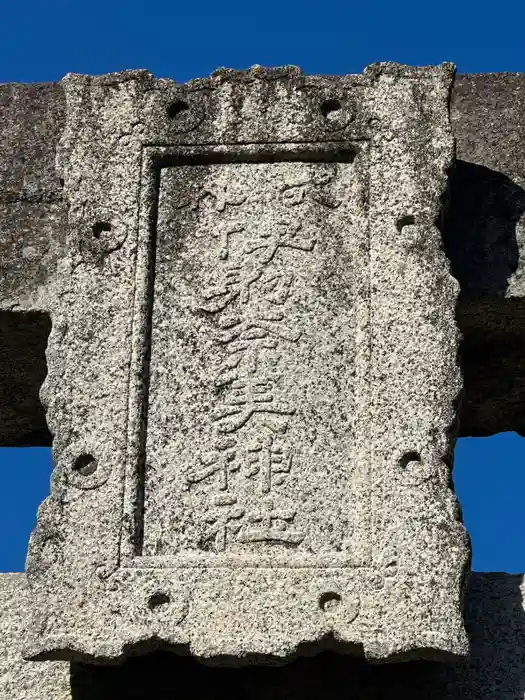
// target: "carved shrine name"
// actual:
[[251, 414]]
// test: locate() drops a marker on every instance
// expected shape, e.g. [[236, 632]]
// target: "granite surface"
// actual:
[[483, 234], [495, 619], [252, 446], [48, 260], [19, 679]]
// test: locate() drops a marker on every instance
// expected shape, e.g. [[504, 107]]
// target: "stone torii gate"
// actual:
[[270, 303]]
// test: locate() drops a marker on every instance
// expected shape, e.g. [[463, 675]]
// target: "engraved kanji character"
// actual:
[[324, 198], [283, 235], [323, 174], [189, 197], [235, 285], [224, 195], [271, 525], [223, 521], [312, 188], [291, 195], [248, 397], [276, 288], [262, 325], [318, 192], [269, 461], [224, 236], [262, 331], [221, 463], [237, 354]]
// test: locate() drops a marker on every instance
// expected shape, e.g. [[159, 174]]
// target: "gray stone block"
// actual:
[[32, 212], [32, 231], [19, 679], [252, 375], [483, 234], [495, 619]]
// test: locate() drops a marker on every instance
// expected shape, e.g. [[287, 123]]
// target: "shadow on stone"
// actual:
[[479, 231], [492, 351], [480, 239], [164, 676], [23, 340], [494, 617], [496, 624]]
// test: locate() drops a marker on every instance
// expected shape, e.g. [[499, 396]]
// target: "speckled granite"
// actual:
[[495, 619], [41, 256], [252, 371], [483, 234], [19, 679]]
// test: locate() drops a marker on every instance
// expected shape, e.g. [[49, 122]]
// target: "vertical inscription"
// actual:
[[250, 438], [250, 423]]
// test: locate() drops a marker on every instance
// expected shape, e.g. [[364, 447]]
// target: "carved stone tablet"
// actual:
[[252, 395], [252, 371]]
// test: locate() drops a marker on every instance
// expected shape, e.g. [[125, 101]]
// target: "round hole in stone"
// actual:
[[157, 600], [85, 465], [409, 457], [407, 220], [329, 600], [177, 108], [330, 106], [100, 227]]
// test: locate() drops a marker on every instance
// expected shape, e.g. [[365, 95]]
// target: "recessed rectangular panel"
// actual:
[[252, 376], [254, 332]]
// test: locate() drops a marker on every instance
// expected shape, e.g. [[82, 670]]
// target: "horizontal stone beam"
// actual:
[[495, 618], [484, 230], [483, 234]]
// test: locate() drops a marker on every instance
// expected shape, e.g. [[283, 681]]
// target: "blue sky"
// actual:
[[182, 40], [42, 41]]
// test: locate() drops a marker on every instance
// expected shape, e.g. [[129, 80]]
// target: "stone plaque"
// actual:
[[252, 413], [252, 372]]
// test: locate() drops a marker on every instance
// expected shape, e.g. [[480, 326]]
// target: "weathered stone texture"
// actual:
[[484, 236], [32, 212], [252, 445], [19, 679], [223, 156], [482, 233], [33, 227], [495, 618]]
